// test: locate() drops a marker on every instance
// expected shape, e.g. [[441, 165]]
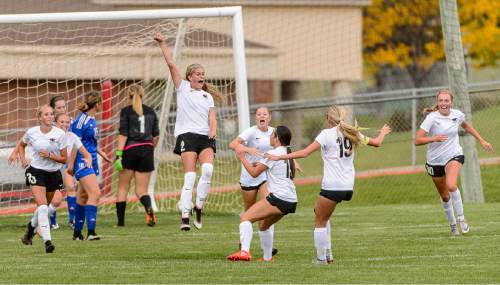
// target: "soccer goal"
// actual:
[[70, 54]]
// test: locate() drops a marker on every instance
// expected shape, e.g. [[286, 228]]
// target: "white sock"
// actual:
[[204, 184], [448, 210], [457, 204], [320, 242], [246, 233], [266, 243], [43, 222], [34, 219], [186, 194], [329, 237], [52, 209]]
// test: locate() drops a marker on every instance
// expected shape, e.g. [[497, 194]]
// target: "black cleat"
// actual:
[[197, 218], [185, 224], [27, 239], [49, 247], [77, 235], [274, 252]]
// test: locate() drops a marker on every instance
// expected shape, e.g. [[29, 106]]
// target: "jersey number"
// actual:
[[31, 178], [345, 147], [141, 124]]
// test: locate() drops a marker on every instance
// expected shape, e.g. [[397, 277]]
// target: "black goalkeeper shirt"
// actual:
[[138, 129]]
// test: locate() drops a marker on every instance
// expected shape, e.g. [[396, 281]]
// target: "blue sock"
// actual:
[[91, 216], [53, 219], [71, 201], [79, 217]]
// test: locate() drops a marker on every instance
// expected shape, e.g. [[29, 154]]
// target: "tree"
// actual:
[[407, 35]]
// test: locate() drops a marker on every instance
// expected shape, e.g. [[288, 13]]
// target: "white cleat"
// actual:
[[320, 261], [454, 230], [464, 226]]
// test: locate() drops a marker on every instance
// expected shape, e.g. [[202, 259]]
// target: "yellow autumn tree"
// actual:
[[407, 34]]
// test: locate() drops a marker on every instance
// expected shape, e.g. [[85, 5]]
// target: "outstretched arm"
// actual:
[[376, 142], [167, 54], [471, 130], [314, 146]]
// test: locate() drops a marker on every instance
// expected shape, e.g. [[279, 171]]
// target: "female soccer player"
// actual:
[[85, 127], [43, 174], [135, 153], [444, 154], [195, 130], [282, 199], [337, 144]]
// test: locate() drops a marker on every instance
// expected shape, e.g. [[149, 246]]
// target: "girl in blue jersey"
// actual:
[[85, 127]]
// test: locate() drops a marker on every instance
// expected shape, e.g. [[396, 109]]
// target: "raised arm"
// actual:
[[377, 142], [471, 130], [167, 54]]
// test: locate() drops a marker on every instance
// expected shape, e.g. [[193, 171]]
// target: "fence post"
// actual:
[[413, 126], [455, 63]]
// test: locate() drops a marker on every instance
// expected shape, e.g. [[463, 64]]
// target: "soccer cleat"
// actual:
[[329, 256], [54, 226], [197, 218], [274, 252], [464, 226], [263, 260], [27, 239], [320, 261], [241, 255], [77, 235], [185, 224], [49, 247], [93, 236], [150, 218], [454, 230], [71, 225]]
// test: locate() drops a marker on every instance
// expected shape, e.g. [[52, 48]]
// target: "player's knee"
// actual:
[[207, 171]]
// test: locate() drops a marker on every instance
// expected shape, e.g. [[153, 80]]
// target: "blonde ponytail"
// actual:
[[135, 92], [336, 115]]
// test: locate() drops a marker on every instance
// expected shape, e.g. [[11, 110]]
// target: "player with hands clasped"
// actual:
[[439, 131]]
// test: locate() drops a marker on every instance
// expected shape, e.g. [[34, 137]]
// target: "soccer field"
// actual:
[[374, 242]]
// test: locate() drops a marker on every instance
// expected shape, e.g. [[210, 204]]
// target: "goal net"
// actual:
[[69, 54]]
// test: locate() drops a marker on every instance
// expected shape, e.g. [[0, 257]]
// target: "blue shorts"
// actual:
[[81, 170]]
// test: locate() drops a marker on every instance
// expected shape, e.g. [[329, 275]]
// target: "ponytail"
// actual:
[[291, 162], [285, 137], [135, 92], [90, 99], [336, 115], [214, 91]]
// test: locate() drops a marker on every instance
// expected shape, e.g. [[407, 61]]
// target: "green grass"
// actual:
[[386, 234]]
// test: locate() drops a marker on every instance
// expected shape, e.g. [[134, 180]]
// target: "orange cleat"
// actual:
[[263, 260], [241, 255]]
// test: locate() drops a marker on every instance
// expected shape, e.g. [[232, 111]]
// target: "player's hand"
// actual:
[[118, 163], [70, 170], [88, 161], [13, 158], [24, 163], [386, 129], [44, 153], [158, 37], [297, 166], [440, 138], [486, 145], [253, 151], [271, 157], [212, 134]]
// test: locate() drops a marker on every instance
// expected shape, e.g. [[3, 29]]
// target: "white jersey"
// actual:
[[279, 181], [338, 160], [439, 153], [255, 138], [53, 141], [192, 110]]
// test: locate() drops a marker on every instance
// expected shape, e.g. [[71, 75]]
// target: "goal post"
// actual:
[[72, 53]]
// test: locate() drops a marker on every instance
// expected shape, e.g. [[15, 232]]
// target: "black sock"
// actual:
[[146, 201], [120, 212]]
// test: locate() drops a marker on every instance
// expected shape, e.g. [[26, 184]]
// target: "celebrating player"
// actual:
[[444, 154], [337, 144], [195, 131]]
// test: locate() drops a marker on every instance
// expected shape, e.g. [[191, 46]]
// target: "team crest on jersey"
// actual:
[[52, 140], [205, 95]]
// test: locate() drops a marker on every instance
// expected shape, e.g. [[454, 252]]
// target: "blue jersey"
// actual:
[[85, 127]]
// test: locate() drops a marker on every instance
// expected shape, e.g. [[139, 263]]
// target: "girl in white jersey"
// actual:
[[195, 130], [254, 141], [282, 198], [43, 174], [444, 155], [337, 144]]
